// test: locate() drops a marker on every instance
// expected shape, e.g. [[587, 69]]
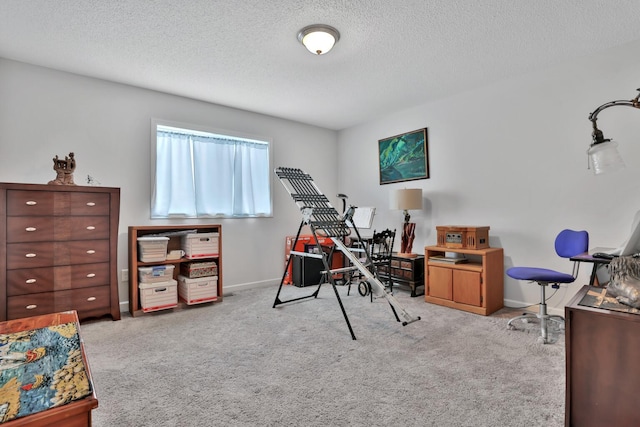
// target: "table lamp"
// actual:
[[407, 199]]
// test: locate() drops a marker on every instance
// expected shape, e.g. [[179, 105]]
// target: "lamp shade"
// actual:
[[604, 157], [406, 199], [318, 39]]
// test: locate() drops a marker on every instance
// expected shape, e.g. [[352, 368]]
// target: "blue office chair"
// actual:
[[568, 244]]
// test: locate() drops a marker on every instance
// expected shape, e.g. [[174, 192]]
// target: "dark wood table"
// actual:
[[602, 365], [597, 262], [73, 414]]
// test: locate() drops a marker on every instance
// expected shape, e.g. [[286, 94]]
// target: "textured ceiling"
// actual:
[[392, 54]]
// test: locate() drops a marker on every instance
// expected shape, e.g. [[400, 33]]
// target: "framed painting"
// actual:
[[404, 157]]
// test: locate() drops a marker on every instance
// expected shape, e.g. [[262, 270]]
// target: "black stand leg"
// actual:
[[344, 313], [286, 268], [327, 267], [594, 271]]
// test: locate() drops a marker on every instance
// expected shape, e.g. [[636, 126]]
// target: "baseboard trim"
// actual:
[[250, 285], [226, 290]]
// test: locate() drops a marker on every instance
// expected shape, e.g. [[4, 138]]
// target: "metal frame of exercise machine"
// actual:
[[323, 219]]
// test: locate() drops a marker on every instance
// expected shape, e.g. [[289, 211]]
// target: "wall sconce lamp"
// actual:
[[407, 199], [603, 153], [318, 38]]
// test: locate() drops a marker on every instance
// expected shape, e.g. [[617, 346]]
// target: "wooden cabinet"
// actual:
[[602, 349], [61, 250], [476, 285], [407, 272], [175, 234]]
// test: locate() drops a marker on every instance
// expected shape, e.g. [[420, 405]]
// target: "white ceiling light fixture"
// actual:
[[318, 38]]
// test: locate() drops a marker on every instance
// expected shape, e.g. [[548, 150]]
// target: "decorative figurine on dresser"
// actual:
[[64, 170], [61, 245]]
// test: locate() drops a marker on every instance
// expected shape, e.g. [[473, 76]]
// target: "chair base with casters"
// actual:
[[542, 316], [568, 243]]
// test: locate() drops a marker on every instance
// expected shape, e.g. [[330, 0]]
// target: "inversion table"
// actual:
[[323, 219]]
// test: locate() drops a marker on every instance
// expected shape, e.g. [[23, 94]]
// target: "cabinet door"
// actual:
[[440, 283], [466, 287]]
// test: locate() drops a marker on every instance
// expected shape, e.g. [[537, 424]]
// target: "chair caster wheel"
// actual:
[[541, 340], [511, 327], [364, 289]]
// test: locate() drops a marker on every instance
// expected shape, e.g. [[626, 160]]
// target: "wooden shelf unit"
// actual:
[[174, 243], [476, 286]]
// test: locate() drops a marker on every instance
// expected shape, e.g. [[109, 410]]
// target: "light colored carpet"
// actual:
[[243, 363]]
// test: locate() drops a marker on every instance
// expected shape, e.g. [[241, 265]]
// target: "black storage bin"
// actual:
[[306, 271]]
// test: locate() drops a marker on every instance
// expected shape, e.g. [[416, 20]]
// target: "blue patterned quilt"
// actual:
[[41, 369]]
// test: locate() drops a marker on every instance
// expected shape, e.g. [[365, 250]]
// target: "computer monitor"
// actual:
[[632, 244], [362, 217]]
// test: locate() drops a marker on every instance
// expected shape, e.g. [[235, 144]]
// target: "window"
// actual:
[[201, 173]]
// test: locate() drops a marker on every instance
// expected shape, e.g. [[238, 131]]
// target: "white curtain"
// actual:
[[174, 187], [200, 176]]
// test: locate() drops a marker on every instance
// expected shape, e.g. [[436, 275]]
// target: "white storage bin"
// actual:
[[152, 249], [155, 273], [198, 290], [158, 296], [200, 245]]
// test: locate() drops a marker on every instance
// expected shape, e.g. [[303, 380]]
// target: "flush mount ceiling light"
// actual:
[[318, 38]]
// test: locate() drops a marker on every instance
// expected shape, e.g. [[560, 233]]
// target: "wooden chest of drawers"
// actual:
[[59, 250], [407, 272]]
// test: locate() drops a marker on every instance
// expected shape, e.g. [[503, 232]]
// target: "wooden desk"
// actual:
[[602, 348], [73, 414], [597, 262]]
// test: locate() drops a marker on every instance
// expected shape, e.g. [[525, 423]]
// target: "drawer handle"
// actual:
[[30, 229], [31, 203], [91, 227], [91, 299], [91, 204], [91, 251], [91, 275], [31, 306], [30, 281], [30, 255]]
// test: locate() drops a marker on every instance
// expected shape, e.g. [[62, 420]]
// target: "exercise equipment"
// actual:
[[323, 219]]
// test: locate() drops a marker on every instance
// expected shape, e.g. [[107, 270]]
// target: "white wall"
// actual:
[[44, 113], [513, 156], [510, 155]]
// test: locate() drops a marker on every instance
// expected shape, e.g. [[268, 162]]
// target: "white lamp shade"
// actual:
[[318, 42], [406, 199], [604, 157]]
